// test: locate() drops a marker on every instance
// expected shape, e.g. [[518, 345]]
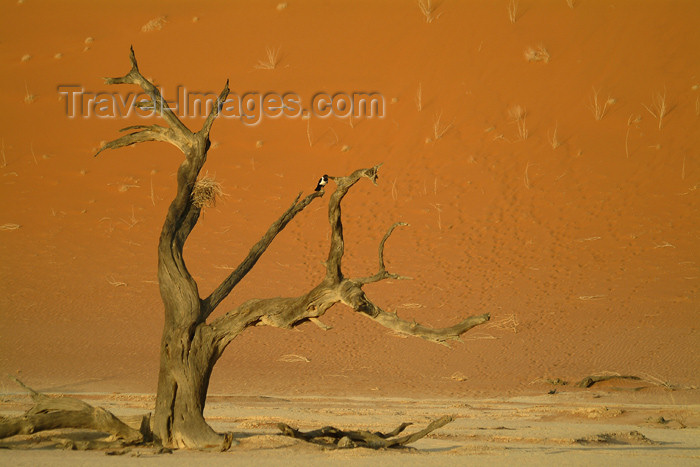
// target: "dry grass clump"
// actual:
[[28, 96], [513, 11], [116, 283], [517, 115], [658, 108], [439, 129], [205, 192], [539, 54], [9, 227], [419, 97], [600, 107], [156, 24], [553, 140], [428, 10], [273, 59]]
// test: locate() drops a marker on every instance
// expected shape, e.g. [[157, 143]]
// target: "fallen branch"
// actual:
[[366, 439], [50, 413]]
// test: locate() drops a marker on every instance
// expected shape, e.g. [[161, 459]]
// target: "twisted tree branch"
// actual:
[[176, 283], [214, 112], [141, 134], [383, 273], [290, 312], [50, 413], [362, 438], [337, 248], [135, 77]]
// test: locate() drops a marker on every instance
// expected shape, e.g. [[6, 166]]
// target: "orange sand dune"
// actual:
[[580, 236]]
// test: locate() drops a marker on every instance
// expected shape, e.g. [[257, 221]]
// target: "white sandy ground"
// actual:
[[540, 430]]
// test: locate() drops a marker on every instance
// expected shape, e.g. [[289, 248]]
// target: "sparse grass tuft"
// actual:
[[658, 108], [428, 10], [9, 227], [439, 129], [309, 135], [153, 197], [115, 283], [205, 192], [273, 59], [526, 178], [513, 11], [419, 97], [28, 96], [553, 140], [630, 121], [517, 115], [598, 107]]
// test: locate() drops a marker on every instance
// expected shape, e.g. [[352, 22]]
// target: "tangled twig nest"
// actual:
[[205, 192]]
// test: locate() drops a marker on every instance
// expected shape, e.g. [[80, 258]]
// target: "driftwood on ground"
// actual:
[[51, 413], [333, 437]]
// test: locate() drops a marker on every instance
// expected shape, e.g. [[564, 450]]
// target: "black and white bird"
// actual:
[[321, 183]]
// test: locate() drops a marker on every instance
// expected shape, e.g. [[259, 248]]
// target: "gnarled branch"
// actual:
[[176, 283], [290, 312], [382, 273], [362, 438], [214, 112], [337, 248], [135, 77], [50, 413], [141, 134]]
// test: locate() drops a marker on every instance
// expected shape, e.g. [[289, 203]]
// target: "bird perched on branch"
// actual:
[[321, 183]]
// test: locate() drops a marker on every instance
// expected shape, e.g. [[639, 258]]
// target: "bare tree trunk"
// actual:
[[190, 346], [186, 364]]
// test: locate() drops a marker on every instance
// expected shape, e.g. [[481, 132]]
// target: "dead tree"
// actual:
[[191, 342]]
